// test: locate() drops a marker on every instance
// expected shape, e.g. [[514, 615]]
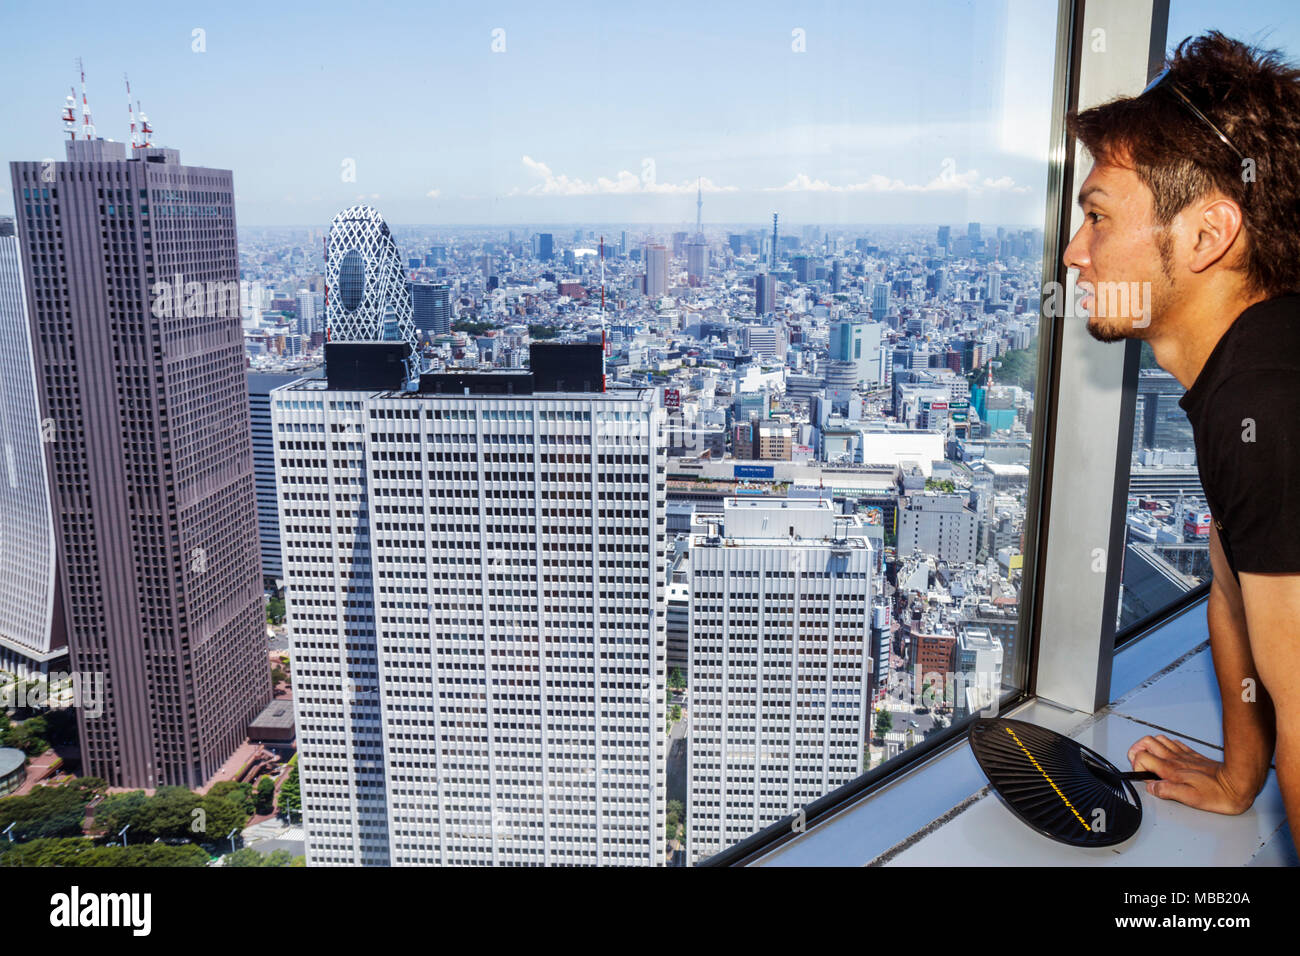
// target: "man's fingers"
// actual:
[[1150, 745], [1173, 790], [1150, 760], [1176, 746]]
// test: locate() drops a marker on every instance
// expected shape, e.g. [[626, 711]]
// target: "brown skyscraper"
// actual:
[[132, 276]]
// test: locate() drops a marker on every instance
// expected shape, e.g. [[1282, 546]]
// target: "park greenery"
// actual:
[[246, 856], [173, 813], [49, 812], [174, 827], [79, 851]]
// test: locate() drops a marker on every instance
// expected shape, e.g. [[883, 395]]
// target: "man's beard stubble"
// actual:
[[1159, 295]]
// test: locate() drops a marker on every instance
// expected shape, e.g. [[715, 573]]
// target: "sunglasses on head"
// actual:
[[1164, 80]]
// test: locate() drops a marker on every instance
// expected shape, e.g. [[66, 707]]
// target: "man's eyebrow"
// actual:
[[1086, 193]]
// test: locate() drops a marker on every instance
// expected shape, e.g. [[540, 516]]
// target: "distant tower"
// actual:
[[773, 242], [699, 208], [656, 270], [366, 297]]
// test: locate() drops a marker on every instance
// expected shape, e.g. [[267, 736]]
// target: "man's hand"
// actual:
[[1189, 777]]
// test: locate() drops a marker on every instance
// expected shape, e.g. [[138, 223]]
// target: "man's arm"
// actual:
[[1273, 617], [1231, 785]]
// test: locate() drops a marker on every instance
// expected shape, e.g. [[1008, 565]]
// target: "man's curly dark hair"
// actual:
[[1253, 96]]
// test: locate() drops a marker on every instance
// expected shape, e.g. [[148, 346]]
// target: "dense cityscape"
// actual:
[[834, 424], [355, 543]]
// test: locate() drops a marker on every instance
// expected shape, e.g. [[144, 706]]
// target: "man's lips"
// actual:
[[1086, 299]]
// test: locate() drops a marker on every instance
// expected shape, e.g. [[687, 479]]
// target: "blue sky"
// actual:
[[585, 112]]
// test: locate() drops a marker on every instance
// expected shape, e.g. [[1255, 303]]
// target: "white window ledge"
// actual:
[[942, 813]]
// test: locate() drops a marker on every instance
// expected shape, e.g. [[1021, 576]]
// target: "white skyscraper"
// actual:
[[779, 660], [31, 623], [311, 311], [475, 587]]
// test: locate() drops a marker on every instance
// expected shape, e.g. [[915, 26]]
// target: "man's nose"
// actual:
[[1076, 255]]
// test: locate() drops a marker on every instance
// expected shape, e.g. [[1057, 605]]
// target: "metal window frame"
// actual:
[[1078, 556], [1068, 630]]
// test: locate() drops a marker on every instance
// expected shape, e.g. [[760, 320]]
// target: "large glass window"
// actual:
[[833, 279]]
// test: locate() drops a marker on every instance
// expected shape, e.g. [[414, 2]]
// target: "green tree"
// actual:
[[29, 736], [83, 852], [275, 609], [93, 784], [676, 680], [45, 812], [168, 814], [244, 857], [264, 798], [675, 806], [677, 712], [220, 816], [240, 793], [117, 810], [291, 794], [884, 722]]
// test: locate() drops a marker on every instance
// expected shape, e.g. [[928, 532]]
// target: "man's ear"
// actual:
[[1215, 229]]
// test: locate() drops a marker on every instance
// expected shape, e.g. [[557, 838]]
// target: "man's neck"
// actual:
[[1184, 348]]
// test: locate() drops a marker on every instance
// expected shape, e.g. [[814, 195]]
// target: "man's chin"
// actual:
[[1108, 333]]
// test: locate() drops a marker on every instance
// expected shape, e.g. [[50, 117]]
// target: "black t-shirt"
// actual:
[[1245, 412]]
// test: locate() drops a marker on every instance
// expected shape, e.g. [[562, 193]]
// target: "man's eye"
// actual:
[[1095, 217]]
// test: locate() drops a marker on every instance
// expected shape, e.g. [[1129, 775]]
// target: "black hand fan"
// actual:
[[1056, 785]]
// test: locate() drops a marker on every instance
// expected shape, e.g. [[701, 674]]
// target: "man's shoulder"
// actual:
[[1266, 336], [1254, 397]]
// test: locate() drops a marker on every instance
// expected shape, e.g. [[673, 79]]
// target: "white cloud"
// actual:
[[433, 193], [947, 181], [551, 183], [558, 184]]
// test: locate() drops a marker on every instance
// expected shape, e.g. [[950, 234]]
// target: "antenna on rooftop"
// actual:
[[87, 126], [146, 131], [70, 114], [130, 110]]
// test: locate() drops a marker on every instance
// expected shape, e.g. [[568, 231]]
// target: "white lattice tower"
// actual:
[[367, 298]]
